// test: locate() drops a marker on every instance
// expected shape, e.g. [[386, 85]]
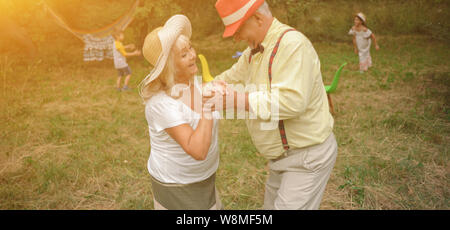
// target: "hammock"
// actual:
[[98, 43], [97, 49]]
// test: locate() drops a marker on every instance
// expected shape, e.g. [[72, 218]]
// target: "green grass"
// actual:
[[68, 140]]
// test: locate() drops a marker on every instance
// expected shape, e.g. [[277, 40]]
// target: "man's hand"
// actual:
[[220, 83], [212, 95], [217, 93], [217, 87]]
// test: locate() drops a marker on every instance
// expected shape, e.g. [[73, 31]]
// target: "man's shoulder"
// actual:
[[292, 33], [295, 35], [294, 39], [295, 42]]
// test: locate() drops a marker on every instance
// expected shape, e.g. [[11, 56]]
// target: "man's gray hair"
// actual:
[[264, 9]]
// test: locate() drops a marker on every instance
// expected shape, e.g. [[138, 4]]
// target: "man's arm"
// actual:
[[294, 73], [237, 73], [295, 70]]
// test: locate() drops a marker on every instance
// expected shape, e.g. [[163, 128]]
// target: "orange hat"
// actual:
[[234, 12]]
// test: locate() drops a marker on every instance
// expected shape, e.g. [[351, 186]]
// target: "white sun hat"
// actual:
[[159, 42], [362, 16]]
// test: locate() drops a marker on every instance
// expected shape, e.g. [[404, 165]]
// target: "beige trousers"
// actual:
[[297, 180]]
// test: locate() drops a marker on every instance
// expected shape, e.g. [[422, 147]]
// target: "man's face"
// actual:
[[249, 32]]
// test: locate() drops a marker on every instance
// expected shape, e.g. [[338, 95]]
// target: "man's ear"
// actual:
[[259, 18]]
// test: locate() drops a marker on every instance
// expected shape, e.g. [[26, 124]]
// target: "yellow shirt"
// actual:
[[120, 48], [296, 78]]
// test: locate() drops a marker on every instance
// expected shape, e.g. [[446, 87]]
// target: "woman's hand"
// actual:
[[377, 47], [209, 99], [356, 50]]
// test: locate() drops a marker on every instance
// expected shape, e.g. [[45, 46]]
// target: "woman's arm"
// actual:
[[194, 142]]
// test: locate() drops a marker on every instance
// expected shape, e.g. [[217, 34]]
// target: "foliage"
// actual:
[[318, 19]]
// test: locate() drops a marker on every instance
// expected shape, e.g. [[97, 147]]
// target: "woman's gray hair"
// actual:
[[264, 9]]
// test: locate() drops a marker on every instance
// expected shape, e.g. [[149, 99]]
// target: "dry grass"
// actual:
[[69, 141]]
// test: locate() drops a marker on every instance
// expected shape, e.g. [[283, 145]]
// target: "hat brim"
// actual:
[[363, 19], [231, 29], [174, 27]]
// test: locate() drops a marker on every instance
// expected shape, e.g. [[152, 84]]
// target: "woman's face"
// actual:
[[357, 21], [185, 59]]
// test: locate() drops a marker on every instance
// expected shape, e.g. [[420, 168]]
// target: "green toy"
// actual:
[[332, 88]]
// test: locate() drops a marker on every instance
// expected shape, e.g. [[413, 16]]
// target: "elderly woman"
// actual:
[[184, 152]]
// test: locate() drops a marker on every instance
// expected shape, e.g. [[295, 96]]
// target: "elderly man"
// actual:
[[301, 147]]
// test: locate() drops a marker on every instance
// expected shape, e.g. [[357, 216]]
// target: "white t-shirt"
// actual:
[[120, 61], [168, 162]]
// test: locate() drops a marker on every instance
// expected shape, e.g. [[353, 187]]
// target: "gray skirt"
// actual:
[[196, 196]]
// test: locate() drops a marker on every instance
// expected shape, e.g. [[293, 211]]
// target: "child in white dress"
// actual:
[[362, 40]]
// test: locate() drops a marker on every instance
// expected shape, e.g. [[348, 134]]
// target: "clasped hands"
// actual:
[[214, 96]]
